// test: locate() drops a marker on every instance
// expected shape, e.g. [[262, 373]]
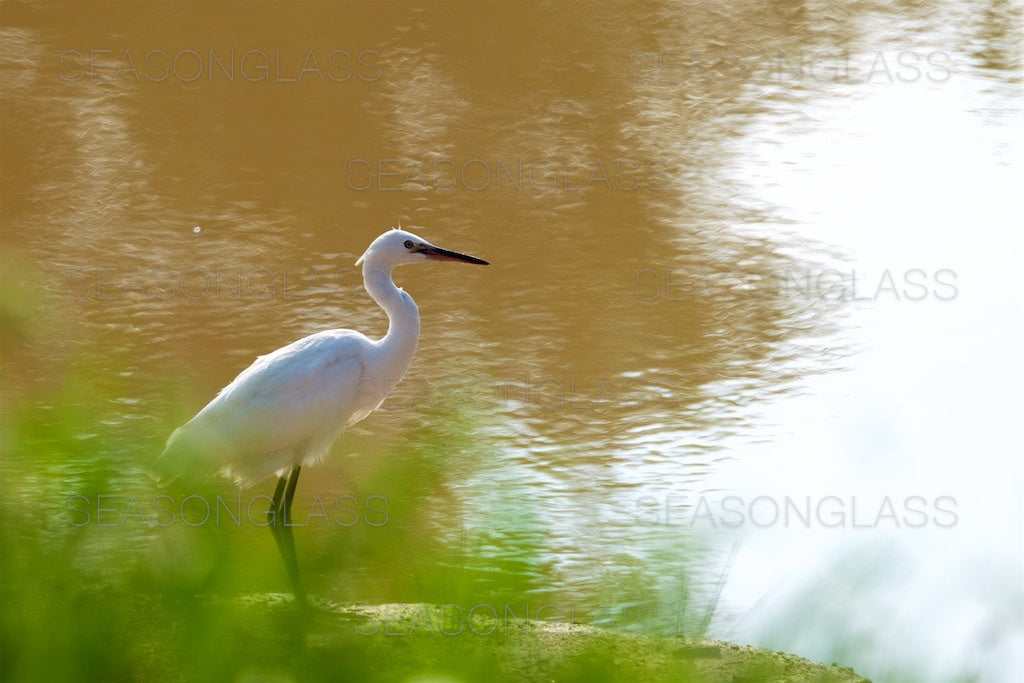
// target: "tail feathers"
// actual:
[[185, 459]]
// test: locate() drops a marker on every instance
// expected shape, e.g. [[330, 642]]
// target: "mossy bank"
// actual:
[[420, 642]]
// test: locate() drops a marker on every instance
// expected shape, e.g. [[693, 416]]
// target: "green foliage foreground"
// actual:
[[97, 583]]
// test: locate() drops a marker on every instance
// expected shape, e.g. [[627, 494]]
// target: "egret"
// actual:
[[285, 410]]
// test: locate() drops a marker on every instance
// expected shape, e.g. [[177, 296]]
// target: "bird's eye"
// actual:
[[408, 244]]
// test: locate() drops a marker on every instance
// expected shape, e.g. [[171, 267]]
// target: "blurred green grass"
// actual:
[[96, 589], [92, 590], [93, 597]]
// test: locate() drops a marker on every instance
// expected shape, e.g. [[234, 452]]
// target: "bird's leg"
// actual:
[[275, 510], [289, 493], [282, 511]]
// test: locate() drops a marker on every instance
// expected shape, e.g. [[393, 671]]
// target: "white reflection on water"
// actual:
[[907, 176]]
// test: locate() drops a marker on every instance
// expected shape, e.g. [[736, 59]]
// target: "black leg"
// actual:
[[275, 507], [280, 515], [289, 493]]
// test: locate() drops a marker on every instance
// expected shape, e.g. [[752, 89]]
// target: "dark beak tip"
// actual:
[[447, 255]]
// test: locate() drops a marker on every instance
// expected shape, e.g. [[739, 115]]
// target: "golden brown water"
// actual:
[[673, 197]]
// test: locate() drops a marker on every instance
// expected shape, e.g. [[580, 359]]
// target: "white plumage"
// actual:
[[289, 406]]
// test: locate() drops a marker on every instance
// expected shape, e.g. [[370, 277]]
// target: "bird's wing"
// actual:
[[295, 398]]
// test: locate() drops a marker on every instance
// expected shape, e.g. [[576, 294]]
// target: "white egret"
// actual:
[[286, 409]]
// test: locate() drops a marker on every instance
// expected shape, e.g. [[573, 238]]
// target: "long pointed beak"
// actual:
[[439, 254]]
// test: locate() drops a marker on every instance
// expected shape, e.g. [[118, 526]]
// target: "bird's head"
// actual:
[[397, 247]]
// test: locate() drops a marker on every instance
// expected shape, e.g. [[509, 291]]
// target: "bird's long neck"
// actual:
[[399, 344]]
